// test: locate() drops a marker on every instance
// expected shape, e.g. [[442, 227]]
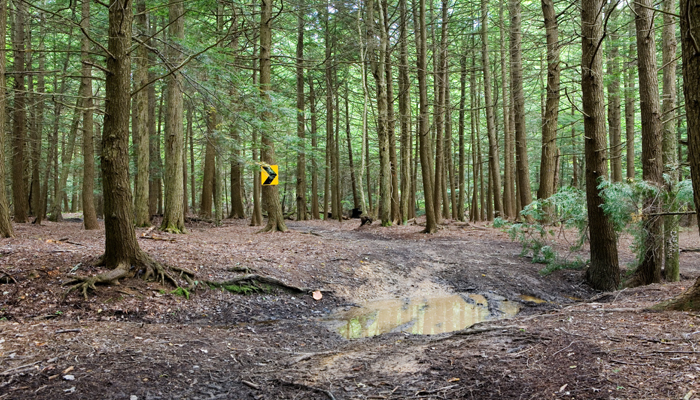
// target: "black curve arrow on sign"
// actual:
[[271, 175]]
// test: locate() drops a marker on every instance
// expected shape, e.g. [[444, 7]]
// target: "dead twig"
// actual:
[[251, 385], [77, 330]]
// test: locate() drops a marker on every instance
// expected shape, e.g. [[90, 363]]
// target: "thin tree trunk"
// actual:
[[353, 181], [516, 65], [509, 208], [423, 121], [404, 116], [5, 224], [314, 145], [301, 124], [188, 137], [548, 163], [649, 271], [19, 122], [174, 215], [630, 104], [275, 219], [494, 157], [365, 93], [462, 158], [140, 129], [209, 165], [89, 213], [670, 142], [614, 120], [604, 271]]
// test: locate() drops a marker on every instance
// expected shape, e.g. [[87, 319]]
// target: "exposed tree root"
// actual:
[[151, 270], [5, 277], [254, 279], [686, 301]]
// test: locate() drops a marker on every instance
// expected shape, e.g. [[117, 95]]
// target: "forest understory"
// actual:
[[142, 340]]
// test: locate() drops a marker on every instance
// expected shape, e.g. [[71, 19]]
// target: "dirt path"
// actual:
[[137, 340]]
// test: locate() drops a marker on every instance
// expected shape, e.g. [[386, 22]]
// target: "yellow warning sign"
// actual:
[[269, 175]]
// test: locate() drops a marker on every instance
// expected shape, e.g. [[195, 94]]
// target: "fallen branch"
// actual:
[[77, 330], [153, 237], [251, 385]]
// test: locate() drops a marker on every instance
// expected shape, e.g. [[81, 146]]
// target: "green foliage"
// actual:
[[181, 291], [576, 264], [242, 289], [499, 222]]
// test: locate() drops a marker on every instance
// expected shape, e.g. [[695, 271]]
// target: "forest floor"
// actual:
[[137, 340]]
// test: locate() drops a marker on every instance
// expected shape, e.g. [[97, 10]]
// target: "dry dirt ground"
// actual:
[[137, 340]]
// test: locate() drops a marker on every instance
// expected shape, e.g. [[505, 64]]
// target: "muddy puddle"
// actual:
[[420, 316]]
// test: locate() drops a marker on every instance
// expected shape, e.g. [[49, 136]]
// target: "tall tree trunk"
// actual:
[[614, 120], [449, 153], [365, 93], [630, 94], [328, 191], [494, 157], [5, 224], [35, 129], [509, 208], [275, 219], [353, 181], [174, 214], [89, 212], [548, 162], [423, 119], [690, 31], [188, 137], [670, 142], [256, 218], [140, 129], [404, 115], [462, 158], [391, 133], [378, 52], [301, 123], [516, 65], [314, 145], [19, 122], [121, 248], [649, 271], [209, 159], [604, 271], [217, 179], [440, 56]]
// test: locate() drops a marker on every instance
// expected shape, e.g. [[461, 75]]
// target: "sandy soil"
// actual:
[[137, 340]]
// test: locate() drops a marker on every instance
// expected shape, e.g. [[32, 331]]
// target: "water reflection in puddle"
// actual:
[[420, 316]]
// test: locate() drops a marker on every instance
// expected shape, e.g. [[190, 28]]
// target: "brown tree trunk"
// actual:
[[614, 119], [649, 271], [256, 219], [154, 174], [551, 114], [423, 119], [629, 105], [509, 208], [275, 219], [391, 133], [19, 122], [140, 120], [174, 214], [604, 271], [690, 31], [89, 212], [494, 157], [404, 116], [670, 142], [462, 157], [314, 145], [5, 224], [353, 181], [121, 248], [209, 159], [39, 124], [516, 65], [301, 123]]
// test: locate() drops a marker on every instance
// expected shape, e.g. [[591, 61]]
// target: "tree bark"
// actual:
[[614, 119], [140, 129], [209, 160], [690, 31], [174, 214], [314, 145], [89, 212], [649, 271], [629, 105], [5, 224], [462, 113], [516, 65], [301, 123], [509, 208], [551, 114], [670, 142], [275, 219], [604, 271], [494, 157], [353, 181], [404, 115], [19, 122], [423, 120]]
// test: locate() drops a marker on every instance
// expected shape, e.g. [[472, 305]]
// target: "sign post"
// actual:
[[269, 175]]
